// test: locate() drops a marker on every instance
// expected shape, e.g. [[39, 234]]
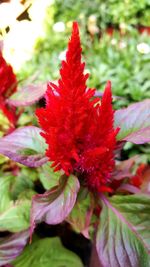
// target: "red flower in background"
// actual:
[[8, 79], [8, 85], [137, 179], [77, 127]]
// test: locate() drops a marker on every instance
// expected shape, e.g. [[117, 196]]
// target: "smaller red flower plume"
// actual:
[[8, 79], [8, 85], [137, 179], [78, 128]]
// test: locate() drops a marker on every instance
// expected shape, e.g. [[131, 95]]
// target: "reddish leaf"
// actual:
[[134, 123], [27, 95], [12, 246], [25, 145], [123, 169], [54, 206], [129, 188]]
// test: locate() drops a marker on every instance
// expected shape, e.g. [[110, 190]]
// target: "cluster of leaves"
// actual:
[[127, 216], [17, 187]]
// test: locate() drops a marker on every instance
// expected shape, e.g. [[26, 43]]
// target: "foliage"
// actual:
[[44, 253], [126, 218], [107, 12], [111, 56], [79, 180]]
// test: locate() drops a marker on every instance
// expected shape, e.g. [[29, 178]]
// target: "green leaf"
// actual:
[[21, 184], [47, 252], [5, 195], [17, 217], [27, 152], [123, 237], [48, 177], [81, 215]]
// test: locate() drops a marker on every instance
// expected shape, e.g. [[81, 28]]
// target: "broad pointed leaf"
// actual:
[[12, 246], [17, 217], [47, 252], [27, 95], [134, 123], [123, 238], [54, 206], [25, 145]]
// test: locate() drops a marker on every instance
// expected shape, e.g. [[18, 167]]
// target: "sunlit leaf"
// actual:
[[48, 177], [16, 217]]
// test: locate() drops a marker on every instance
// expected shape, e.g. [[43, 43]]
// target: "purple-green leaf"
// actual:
[[134, 123], [12, 246], [123, 237], [54, 206], [27, 95], [25, 145], [123, 169]]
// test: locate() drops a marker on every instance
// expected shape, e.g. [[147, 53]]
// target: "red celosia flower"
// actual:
[[8, 84], [78, 128]]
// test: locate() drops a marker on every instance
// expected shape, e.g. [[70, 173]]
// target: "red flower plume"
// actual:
[[78, 128], [8, 79], [8, 85]]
